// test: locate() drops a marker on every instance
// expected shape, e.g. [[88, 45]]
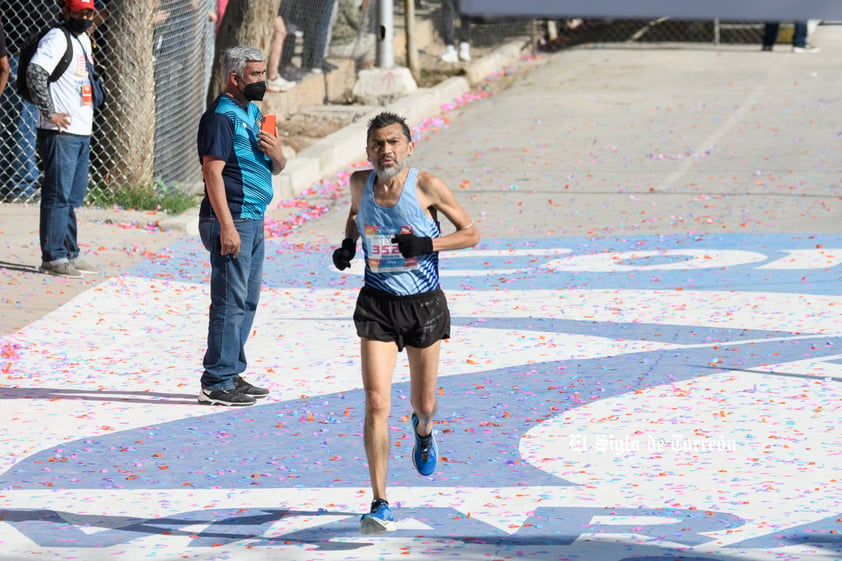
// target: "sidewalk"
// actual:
[[114, 240]]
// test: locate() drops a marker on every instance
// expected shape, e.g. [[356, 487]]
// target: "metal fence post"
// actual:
[[385, 34], [411, 50]]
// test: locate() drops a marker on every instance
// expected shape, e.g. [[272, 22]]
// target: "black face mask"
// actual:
[[77, 26], [255, 91]]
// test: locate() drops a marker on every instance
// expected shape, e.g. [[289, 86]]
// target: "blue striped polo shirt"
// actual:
[[228, 131]]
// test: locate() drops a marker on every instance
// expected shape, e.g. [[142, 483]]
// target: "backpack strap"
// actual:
[[64, 63]]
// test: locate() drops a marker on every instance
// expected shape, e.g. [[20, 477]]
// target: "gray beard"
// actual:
[[391, 172]]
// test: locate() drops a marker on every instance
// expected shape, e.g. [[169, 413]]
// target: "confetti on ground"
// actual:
[[654, 385]]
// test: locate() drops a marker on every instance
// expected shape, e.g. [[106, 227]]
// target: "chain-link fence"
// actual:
[[182, 38], [156, 58], [557, 34]]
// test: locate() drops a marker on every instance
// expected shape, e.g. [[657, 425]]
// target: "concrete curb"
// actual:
[[347, 146]]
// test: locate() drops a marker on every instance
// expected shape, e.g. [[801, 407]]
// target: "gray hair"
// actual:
[[236, 58]]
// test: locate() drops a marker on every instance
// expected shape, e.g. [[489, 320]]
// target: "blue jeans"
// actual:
[[235, 292], [21, 175], [450, 10], [64, 161], [799, 36]]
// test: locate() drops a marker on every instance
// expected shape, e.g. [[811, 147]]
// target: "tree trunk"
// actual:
[[130, 108], [246, 22]]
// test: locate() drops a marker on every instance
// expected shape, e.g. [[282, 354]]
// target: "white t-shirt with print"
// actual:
[[72, 91]]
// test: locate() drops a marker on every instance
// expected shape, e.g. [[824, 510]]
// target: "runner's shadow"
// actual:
[[52, 528], [98, 395]]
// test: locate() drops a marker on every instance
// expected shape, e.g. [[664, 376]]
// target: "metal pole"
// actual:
[[534, 31], [411, 51], [385, 34]]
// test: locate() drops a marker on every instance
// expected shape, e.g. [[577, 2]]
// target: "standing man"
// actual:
[[238, 161], [63, 136], [450, 10], [395, 209], [799, 38], [276, 82]]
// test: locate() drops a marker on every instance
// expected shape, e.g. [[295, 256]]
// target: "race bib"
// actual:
[[383, 255], [87, 95]]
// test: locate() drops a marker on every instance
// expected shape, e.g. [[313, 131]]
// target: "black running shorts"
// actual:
[[417, 321]]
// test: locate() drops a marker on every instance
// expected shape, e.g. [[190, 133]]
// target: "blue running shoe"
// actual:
[[379, 520], [425, 452]]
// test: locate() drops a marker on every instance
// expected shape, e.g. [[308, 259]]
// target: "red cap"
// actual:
[[77, 5]]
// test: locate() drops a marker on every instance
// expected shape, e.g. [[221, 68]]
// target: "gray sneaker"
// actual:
[[83, 266], [60, 269]]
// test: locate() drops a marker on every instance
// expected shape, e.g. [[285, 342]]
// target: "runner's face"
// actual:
[[388, 150]]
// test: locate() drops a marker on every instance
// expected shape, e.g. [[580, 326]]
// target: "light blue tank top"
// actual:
[[385, 268]]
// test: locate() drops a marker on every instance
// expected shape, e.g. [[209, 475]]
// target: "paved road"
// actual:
[[646, 359], [652, 141]]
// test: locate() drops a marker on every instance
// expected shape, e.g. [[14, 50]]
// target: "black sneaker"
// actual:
[[228, 398], [247, 389]]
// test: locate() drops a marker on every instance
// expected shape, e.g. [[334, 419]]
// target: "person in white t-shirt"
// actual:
[[66, 110]]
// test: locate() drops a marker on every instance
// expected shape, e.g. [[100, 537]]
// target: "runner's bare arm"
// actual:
[[434, 194], [343, 255], [357, 186]]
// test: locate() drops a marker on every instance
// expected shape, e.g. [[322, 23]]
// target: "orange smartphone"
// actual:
[[269, 124]]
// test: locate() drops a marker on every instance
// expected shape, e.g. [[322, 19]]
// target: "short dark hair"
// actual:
[[385, 119]]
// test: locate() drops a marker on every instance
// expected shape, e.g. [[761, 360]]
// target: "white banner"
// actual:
[[755, 10]]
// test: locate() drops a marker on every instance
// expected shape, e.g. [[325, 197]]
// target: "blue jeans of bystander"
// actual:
[[64, 162], [19, 171], [799, 35], [235, 292]]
